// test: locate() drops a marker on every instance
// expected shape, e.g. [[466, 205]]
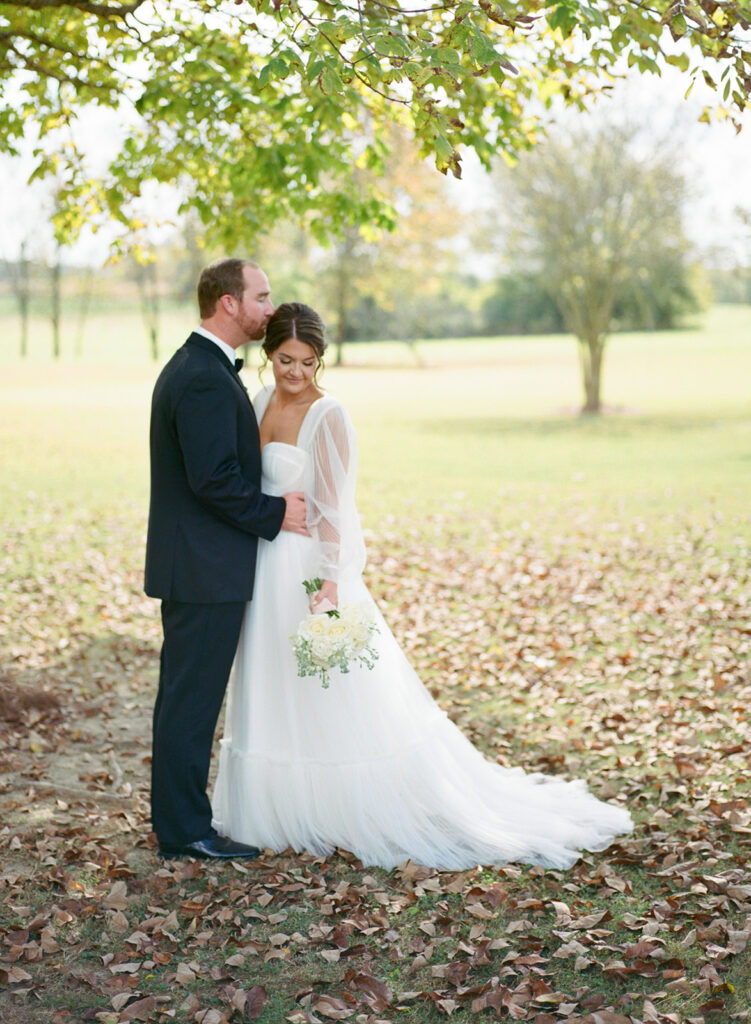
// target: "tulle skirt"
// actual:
[[372, 764]]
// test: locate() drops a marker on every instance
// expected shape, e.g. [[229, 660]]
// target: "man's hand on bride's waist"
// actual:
[[294, 517]]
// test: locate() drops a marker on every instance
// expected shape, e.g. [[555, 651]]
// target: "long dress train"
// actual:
[[371, 764]]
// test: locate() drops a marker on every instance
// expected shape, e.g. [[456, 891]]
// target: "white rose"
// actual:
[[354, 614], [322, 649], [360, 636], [311, 627], [338, 632]]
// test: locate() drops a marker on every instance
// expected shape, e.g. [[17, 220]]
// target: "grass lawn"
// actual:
[[492, 421], [575, 592]]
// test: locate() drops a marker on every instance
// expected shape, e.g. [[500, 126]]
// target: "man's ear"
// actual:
[[228, 304]]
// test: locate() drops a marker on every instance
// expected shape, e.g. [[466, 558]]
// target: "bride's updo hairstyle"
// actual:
[[294, 321]]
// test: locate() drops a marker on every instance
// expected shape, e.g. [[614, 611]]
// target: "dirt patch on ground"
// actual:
[[70, 756], [16, 701]]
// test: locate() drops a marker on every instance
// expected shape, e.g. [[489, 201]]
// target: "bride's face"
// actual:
[[294, 364]]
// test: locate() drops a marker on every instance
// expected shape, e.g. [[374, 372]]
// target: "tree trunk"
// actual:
[[415, 352], [23, 292], [590, 358], [341, 312], [154, 315], [18, 276], [24, 326], [339, 342], [85, 290], [148, 291], [55, 272]]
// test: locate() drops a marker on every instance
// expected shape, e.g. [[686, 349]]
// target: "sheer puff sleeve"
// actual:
[[330, 493]]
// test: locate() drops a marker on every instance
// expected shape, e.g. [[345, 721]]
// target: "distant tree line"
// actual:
[[730, 284], [50, 289], [511, 304], [518, 304]]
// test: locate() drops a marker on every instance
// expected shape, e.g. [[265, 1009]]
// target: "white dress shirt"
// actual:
[[227, 349]]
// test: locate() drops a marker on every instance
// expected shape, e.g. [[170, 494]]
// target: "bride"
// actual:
[[371, 764]]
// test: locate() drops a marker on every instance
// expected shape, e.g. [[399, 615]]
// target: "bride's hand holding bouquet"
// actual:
[[332, 637], [325, 599]]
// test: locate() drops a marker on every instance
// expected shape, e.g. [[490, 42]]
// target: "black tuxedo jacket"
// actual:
[[207, 509]]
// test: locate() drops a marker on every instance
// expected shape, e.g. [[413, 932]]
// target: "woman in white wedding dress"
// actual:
[[371, 764]]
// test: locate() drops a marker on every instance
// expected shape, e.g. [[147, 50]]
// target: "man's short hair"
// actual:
[[225, 277]]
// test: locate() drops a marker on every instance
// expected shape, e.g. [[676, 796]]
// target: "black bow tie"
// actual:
[[239, 363]]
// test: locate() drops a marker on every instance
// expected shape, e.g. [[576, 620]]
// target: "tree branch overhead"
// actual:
[[316, 85]]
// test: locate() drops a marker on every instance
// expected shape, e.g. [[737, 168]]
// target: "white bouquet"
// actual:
[[333, 639]]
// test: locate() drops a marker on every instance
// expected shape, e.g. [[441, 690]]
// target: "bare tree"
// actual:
[[55, 301], [349, 260], [147, 280], [85, 290], [596, 219], [20, 280], [743, 216]]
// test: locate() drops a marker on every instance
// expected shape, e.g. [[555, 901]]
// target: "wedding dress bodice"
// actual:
[[323, 465], [283, 468]]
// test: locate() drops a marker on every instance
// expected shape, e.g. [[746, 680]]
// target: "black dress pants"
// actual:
[[199, 646]]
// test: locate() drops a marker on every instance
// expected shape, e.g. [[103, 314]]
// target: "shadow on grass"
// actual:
[[91, 664], [611, 425]]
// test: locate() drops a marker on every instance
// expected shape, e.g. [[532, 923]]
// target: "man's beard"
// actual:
[[252, 330]]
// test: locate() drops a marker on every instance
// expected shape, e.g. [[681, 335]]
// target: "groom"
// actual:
[[206, 514]]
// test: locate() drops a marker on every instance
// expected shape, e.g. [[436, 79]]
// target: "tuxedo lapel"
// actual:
[[208, 346], [238, 380]]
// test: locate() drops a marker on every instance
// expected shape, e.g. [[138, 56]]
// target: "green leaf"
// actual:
[[565, 18], [424, 77], [459, 35], [330, 81], [678, 26], [446, 55], [482, 50], [314, 68], [276, 68], [443, 149], [679, 60]]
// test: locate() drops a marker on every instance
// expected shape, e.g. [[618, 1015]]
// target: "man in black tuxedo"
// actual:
[[206, 514]]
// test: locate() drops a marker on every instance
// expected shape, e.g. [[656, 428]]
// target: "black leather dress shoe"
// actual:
[[213, 848]]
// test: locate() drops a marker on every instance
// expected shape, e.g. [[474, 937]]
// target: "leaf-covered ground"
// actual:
[[584, 648]]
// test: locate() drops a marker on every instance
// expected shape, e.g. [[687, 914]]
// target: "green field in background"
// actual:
[[484, 423]]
